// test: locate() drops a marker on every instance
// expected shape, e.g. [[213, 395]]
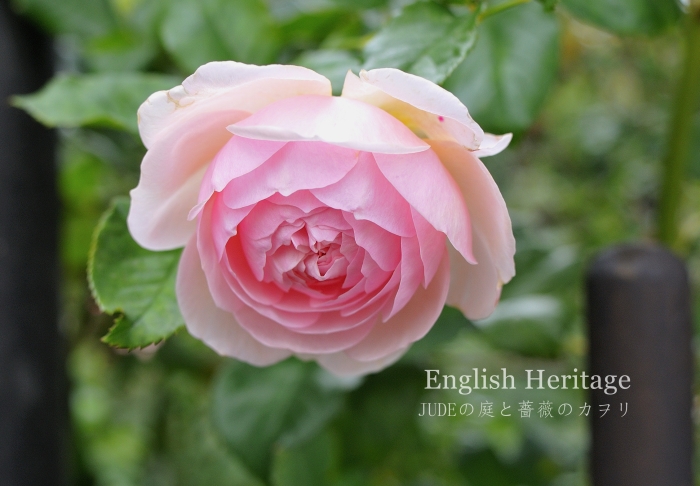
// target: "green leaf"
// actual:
[[425, 39], [109, 100], [258, 409], [507, 76], [626, 17], [311, 463], [136, 284], [333, 64], [196, 32], [85, 18]]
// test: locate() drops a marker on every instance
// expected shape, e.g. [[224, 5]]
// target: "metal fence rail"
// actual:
[[32, 405]]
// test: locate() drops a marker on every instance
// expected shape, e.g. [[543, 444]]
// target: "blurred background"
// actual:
[[588, 96]]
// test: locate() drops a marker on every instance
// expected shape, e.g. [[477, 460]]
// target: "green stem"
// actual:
[[496, 9], [680, 134]]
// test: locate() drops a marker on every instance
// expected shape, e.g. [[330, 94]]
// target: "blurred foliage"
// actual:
[[626, 16], [589, 110]]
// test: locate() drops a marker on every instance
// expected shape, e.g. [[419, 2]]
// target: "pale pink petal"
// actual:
[[256, 231], [375, 277], [474, 289], [332, 322], [367, 194], [221, 87], [214, 326], [432, 244], [412, 274], [408, 325], [493, 144], [226, 290], [265, 298], [429, 110], [225, 223], [238, 157], [272, 334], [341, 364], [171, 173], [427, 186], [387, 289], [383, 247], [339, 121], [303, 200], [296, 166], [494, 244]]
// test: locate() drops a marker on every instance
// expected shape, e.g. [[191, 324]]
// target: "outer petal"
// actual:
[[429, 110], [343, 365], [217, 328], [171, 173], [339, 121], [475, 290], [185, 127], [224, 86], [493, 144]]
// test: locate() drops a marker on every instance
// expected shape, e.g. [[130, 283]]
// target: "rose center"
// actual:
[[311, 253]]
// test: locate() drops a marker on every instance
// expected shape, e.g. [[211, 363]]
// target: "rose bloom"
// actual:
[[329, 228]]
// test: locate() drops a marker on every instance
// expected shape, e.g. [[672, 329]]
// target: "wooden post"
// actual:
[[32, 402], [640, 325]]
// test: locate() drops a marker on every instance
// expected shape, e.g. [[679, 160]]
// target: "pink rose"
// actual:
[[330, 228]]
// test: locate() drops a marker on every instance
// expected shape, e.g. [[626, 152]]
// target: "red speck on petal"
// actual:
[[441, 118]]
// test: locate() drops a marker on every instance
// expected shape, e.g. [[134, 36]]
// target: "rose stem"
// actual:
[[680, 133]]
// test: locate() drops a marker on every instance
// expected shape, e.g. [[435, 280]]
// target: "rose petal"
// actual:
[[383, 246], [339, 121], [410, 324], [225, 223], [427, 186], [411, 274], [475, 291], [367, 194], [343, 365], [238, 157], [487, 207], [493, 144], [431, 243], [171, 173], [214, 326], [425, 107], [225, 86], [296, 166], [272, 334]]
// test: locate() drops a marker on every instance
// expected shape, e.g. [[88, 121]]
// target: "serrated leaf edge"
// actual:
[[118, 314]]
